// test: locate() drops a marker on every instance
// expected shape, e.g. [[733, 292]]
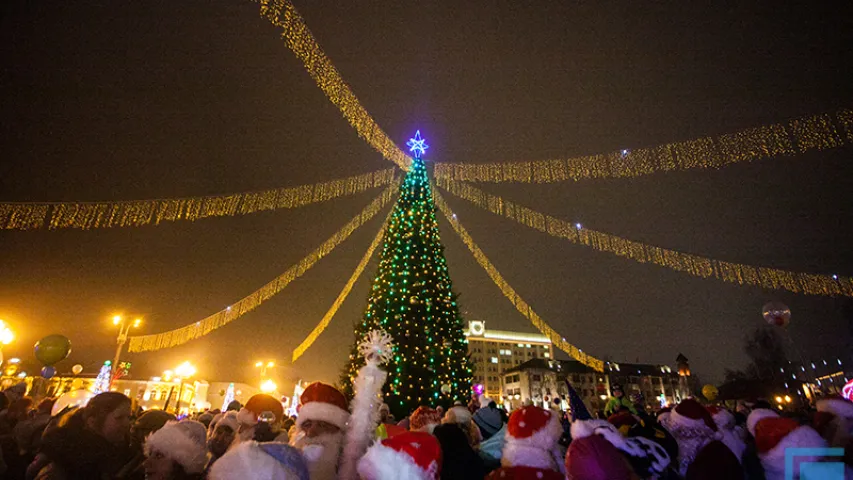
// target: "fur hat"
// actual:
[[531, 438], [726, 422], [184, 442], [690, 413], [773, 435], [260, 461], [646, 456], [258, 404], [325, 403], [723, 418], [838, 406], [594, 458], [407, 456], [756, 416], [227, 419], [458, 414], [424, 419], [713, 462], [153, 420]]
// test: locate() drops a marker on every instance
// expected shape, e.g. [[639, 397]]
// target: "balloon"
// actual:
[[776, 313], [710, 392], [74, 398], [52, 349], [445, 389], [48, 372], [76, 369]]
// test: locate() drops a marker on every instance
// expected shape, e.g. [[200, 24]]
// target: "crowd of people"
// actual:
[[107, 439]]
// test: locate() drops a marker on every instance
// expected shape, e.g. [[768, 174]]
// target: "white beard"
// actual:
[[321, 453]]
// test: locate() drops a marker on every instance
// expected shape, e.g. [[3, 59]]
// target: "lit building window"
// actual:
[[547, 355], [520, 345], [494, 359]]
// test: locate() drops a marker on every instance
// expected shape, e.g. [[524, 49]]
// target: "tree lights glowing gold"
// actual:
[[241, 307], [816, 132], [772, 278], [412, 299], [135, 213]]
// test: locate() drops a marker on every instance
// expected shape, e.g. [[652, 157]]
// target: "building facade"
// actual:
[[493, 352], [539, 381]]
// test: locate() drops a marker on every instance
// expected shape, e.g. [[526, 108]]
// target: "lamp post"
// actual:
[[123, 329], [264, 366], [6, 337], [184, 371]]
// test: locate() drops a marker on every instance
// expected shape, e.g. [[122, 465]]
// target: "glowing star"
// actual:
[[417, 145]]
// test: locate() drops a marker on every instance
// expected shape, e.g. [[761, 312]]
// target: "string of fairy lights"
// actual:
[[330, 314], [522, 306], [178, 336], [800, 135], [299, 39], [136, 213], [732, 272]]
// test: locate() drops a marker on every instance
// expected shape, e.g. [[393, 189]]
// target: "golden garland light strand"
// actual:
[[817, 132], [523, 307], [741, 274], [135, 213], [327, 318], [172, 338], [299, 39]]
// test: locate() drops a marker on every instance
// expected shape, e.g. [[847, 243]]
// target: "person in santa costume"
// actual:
[[531, 449], [732, 435], [320, 429], [692, 427], [773, 435], [424, 419], [178, 451], [261, 419], [260, 461], [647, 458], [834, 421], [407, 456]]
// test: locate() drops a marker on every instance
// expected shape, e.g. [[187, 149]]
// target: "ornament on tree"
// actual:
[[445, 389], [776, 313], [413, 300]]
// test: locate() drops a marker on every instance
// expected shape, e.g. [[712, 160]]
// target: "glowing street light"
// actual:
[[264, 366], [123, 329], [6, 335], [268, 386], [184, 371]]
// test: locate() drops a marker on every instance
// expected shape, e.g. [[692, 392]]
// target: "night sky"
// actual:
[[159, 99]]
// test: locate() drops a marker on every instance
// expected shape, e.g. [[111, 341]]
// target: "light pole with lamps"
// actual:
[[184, 371], [123, 329], [6, 337], [264, 366]]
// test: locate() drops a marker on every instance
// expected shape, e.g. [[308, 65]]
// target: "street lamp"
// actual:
[[184, 370], [268, 386], [264, 366], [6, 337], [123, 329]]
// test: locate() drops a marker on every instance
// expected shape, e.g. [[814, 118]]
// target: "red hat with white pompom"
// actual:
[[323, 402], [690, 413], [407, 456], [532, 435]]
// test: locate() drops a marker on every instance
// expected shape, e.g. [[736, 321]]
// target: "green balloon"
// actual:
[[52, 349]]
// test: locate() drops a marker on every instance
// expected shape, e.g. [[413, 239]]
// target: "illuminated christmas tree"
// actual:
[[412, 299], [229, 397], [102, 381]]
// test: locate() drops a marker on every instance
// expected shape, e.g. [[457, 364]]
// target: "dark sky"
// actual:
[[104, 101]]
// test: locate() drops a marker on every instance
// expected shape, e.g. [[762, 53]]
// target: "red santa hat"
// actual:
[[594, 458], [407, 456], [531, 438], [723, 418], [325, 403], [690, 413], [258, 404], [774, 435], [424, 419], [184, 442], [758, 415]]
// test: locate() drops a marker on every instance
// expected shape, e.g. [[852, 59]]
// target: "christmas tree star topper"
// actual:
[[417, 145]]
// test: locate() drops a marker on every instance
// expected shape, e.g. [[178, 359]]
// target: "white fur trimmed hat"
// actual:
[[775, 435], [184, 442], [323, 402], [838, 406], [407, 456], [756, 416], [260, 461], [458, 414], [690, 413], [531, 437]]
